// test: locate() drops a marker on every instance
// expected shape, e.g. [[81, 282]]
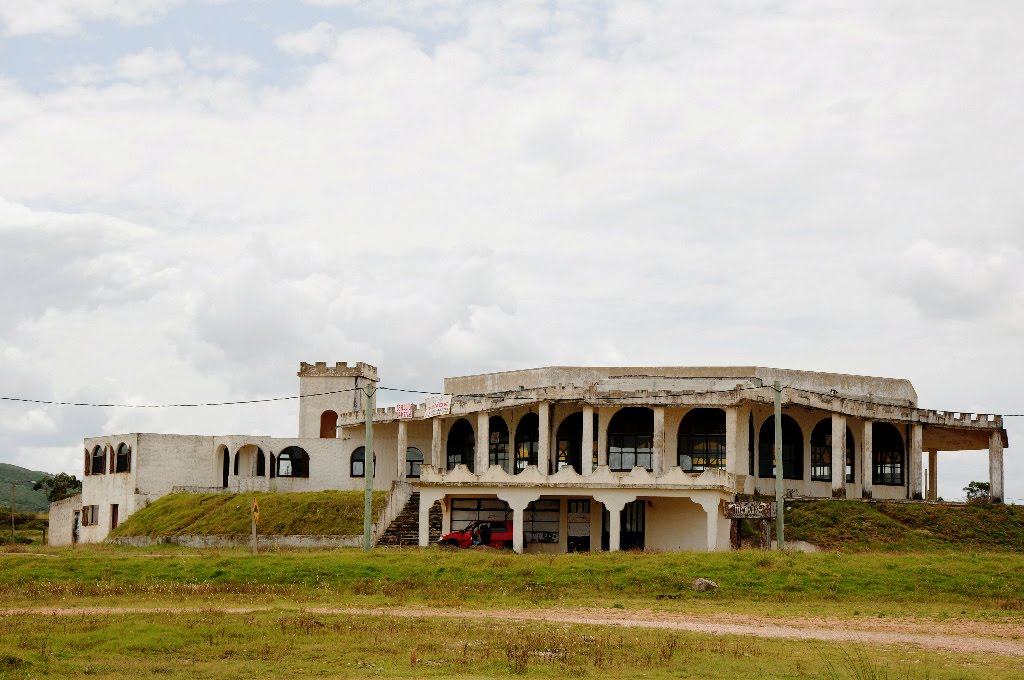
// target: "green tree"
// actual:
[[977, 492], [60, 485]]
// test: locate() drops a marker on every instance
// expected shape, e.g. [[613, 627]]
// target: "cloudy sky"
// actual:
[[197, 195]]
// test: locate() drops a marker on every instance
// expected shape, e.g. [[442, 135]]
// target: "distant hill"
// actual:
[[25, 499]]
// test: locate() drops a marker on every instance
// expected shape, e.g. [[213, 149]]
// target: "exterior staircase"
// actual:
[[404, 530]]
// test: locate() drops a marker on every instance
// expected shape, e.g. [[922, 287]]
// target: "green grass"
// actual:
[[981, 585], [26, 499], [905, 527], [322, 513], [210, 644]]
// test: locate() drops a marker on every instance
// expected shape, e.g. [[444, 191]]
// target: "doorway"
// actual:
[[632, 526]]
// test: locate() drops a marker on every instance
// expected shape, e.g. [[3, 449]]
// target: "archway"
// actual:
[[461, 445], [792, 448], [887, 455], [527, 439], [701, 440], [821, 452], [631, 439]]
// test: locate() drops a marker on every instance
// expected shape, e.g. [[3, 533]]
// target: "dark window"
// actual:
[[293, 462], [702, 440], [527, 437], [99, 460], [124, 458], [821, 452], [887, 454], [497, 447], [261, 463], [792, 448], [273, 465], [357, 464], [631, 439], [413, 461], [461, 445], [113, 516], [569, 444]]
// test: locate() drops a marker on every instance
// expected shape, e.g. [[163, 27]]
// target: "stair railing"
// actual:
[[399, 495]]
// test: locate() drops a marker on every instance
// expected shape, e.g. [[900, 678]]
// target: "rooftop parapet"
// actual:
[[340, 369]]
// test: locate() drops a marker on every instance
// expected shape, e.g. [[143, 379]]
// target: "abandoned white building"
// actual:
[[577, 458]]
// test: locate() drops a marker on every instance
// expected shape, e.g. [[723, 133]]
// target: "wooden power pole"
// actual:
[[370, 390], [780, 533]]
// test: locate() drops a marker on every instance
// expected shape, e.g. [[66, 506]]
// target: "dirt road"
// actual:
[[964, 636]]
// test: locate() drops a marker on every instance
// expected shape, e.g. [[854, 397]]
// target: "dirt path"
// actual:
[[963, 636]]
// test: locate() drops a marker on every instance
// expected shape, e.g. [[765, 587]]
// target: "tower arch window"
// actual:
[[631, 439], [497, 446], [413, 462], [124, 458], [293, 461], [792, 448], [99, 460], [461, 445], [328, 425], [527, 438], [702, 440], [887, 454]]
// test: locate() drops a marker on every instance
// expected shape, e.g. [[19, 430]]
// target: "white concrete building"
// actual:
[[578, 458]]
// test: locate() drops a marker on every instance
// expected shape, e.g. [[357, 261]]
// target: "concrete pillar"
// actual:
[[614, 529], [867, 468], [735, 450], [838, 456], [604, 416], [483, 439], [995, 466], [544, 440], [435, 443], [517, 528], [711, 511], [658, 450], [403, 444], [916, 474], [587, 449], [933, 474]]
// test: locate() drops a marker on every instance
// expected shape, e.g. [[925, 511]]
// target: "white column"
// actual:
[[435, 443], [403, 444], [614, 528], [587, 448], [658, 453], [735, 445], [544, 439], [711, 507], [933, 474], [916, 476], [867, 469], [995, 466], [838, 456], [517, 528], [483, 439], [603, 417]]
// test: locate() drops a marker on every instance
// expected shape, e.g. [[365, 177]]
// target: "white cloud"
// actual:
[[149, 63], [317, 40], [64, 17]]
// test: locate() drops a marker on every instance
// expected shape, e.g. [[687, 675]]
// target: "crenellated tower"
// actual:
[[326, 391]]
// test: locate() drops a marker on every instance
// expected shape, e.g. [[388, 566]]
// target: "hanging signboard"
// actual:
[[751, 510], [405, 411], [439, 405]]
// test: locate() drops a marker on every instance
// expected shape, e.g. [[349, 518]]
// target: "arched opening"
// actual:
[[293, 461], [226, 465], [527, 439], [124, 458], [357, 463], [702, 440], [99, 460], [461, 445], [413, 462], [792, 448], [261, 463], [887, 453], [497, 448], [237, 457], [569, 443], [273, 465], [821, 452], [328, 425], [631, 439]]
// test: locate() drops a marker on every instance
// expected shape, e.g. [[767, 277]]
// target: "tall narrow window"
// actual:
[[527, 437], [569, 444], [887, 454], [124, 458], [413, 462], [702, 440], [792, 448], [328, 425], [99, 460], [497, 447], [821, 451], [631, 439], [461, 445], [261, 463]]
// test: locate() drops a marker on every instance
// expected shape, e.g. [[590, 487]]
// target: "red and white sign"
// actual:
[[405, 411], [440, 405]]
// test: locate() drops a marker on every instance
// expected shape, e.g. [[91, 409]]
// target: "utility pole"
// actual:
[[780, 532], [370, 390]]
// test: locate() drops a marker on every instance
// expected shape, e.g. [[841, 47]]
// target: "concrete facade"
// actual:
[[578, 458]]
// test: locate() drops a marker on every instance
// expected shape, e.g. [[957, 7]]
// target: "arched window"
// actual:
[[527, 436], [99, 460], [261, 463], [821, 452], [497, 448], [273, 465], [357, 464], [887, 454], [461, 445], [124, 458], [328, 425], [631, 439], [792, 448], [237, 461], [702, 440], [413, 462], [569, 443], [226, 465], [293, 462]]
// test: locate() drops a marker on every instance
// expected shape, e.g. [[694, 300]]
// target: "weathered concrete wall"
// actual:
[[676, 524], [270, 541], [62, 520]]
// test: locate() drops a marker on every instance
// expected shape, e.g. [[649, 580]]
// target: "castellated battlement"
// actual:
[[341, 369]]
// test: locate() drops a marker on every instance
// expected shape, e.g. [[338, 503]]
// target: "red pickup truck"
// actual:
[[493, 533]]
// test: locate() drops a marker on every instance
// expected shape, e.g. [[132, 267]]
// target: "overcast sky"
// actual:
[[195, 196]]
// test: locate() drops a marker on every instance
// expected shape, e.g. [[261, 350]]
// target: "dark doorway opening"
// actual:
[[632, 526], [227, 467]]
